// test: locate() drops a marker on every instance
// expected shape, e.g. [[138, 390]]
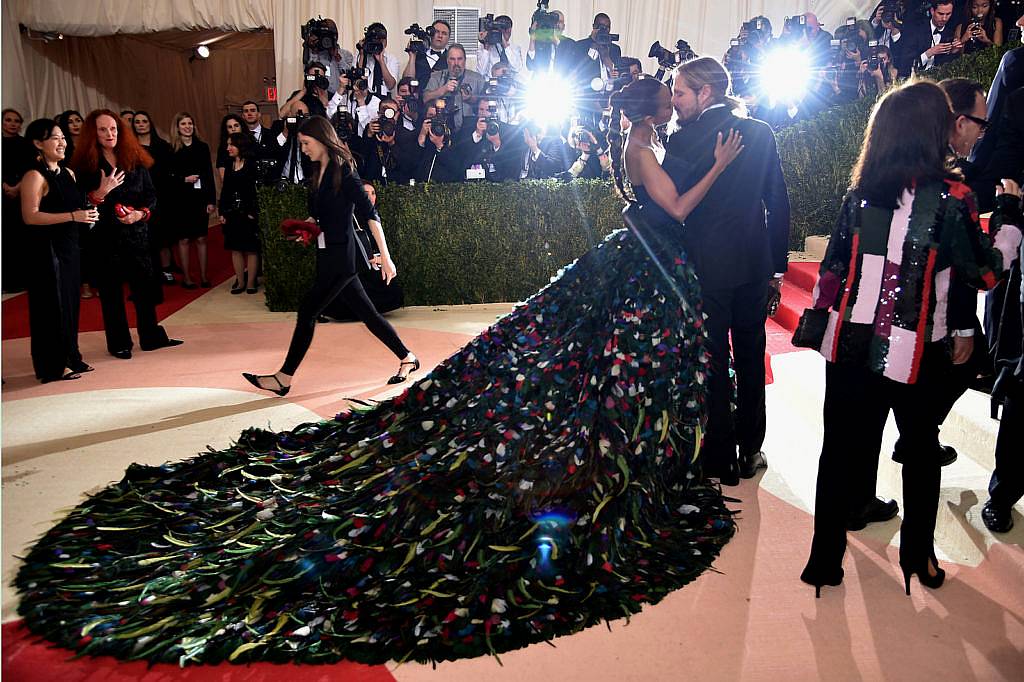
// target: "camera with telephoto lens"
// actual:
[[494, 28], [667, 59], [545, 20], [493, 124], [314, 81], [345, 125], [356, 78], [755, 26], [605, 37], [440, 124], [388, 121], [421, 38], [797, 26], [320, 35], [373, 40], [892, 14], [500, 86], [873, 61]]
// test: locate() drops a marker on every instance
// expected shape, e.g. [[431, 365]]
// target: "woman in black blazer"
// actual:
[[336, 192]]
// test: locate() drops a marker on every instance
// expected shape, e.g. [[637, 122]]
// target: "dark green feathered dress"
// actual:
[[542, 479]]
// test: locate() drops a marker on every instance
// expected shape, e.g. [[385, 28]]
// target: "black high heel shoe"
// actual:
[[821, 578], [254, 379], [399, 378], [933, 582]]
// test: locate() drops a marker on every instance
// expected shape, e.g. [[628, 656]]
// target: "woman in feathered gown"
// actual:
[[544, 478]]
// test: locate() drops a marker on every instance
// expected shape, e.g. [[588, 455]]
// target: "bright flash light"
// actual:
[[548, 99], [786, 74]]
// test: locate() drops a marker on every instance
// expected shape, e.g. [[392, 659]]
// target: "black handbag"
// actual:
[[810, 331], [366, 245]]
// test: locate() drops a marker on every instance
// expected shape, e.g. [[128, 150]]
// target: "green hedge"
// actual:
[[457, 243], [486, 242], [818, 154]]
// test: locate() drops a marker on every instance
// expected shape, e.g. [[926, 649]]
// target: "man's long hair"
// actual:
[[697, 73], [130, 154], [906, 143], [319, 128]]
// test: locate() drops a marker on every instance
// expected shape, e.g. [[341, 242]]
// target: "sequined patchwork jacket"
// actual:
[[886, 276]]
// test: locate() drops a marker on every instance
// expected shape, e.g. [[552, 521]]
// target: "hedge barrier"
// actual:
[[489, 242]]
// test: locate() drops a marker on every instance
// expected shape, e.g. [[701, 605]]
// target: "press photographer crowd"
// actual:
[[538, 110]]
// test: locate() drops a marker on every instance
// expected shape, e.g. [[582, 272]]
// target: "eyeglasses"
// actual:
[[982, 122]]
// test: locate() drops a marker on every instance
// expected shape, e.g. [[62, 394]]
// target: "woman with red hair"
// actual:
[[113, 170]]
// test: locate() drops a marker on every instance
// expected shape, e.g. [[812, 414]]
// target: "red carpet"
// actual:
[[219, 269], [26, 659]]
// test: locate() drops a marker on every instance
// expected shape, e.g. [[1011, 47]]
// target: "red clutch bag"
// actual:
[[306, 231]]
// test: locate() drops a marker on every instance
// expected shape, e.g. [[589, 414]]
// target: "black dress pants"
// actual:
[[857, 405], [335, 277], [739, 313], [120, 262], [1007, 484]]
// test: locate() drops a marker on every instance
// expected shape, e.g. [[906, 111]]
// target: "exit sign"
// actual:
[[271, 94]]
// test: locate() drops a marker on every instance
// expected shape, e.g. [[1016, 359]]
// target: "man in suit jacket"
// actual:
[[1009, 77], [737, 240], [928, 44], [593, 57], [422, 65], [550, 50], [252, 118]]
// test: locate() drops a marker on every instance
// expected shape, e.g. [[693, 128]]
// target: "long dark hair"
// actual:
[[40, 130], [244, 142], [224, 128], [906, 142], [319, 128], [153, 134], [636, 100], [988, 22]]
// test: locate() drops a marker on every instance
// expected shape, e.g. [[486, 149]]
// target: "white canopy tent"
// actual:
[[38, 87]]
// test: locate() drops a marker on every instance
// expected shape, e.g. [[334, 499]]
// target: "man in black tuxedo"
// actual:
[[252, 118], [593, 57], [435, 58], [737, 240], [928, 44]]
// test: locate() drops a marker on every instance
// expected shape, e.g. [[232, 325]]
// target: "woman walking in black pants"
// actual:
[[336, 191]]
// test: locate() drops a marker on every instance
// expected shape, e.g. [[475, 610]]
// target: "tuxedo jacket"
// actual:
[[739, 233], [917, 38], [424, 72]]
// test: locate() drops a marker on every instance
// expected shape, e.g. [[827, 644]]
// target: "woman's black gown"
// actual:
[[54, 278], [542, 479]]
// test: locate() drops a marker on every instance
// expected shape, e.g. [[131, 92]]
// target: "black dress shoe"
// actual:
[[727, 475], [873, 512], [749, 466], [947, 455], [997, 519], [81, 367], [122, 354], [166, 344]]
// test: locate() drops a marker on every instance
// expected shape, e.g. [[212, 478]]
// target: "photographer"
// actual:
[[754, 37], [356, 100], [380, 66], [504, 89], [290, 165], [320, 44], [540, 158], [982, 28], [592, 160], [438, 161], [425, 60], [595, 55], [549, 48], [887, 22], [496, 39], [478, 147], [315, 93], [459, 87], [376, 149]]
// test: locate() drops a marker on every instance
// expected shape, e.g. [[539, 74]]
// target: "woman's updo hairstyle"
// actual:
[[636, 100]]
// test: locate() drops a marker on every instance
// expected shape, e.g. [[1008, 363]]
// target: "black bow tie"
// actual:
[[937, 31], [435, 53]]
